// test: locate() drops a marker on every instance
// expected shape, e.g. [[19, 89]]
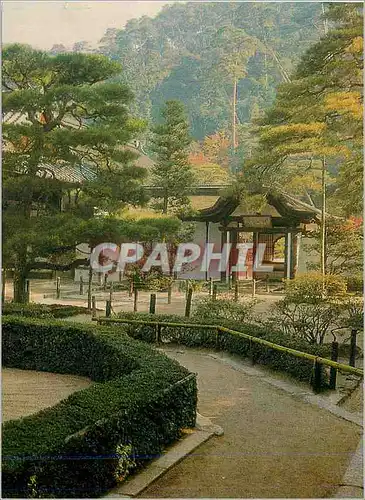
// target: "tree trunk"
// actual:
[[20, 287], [21, 271], [323, 220], [234, 140]]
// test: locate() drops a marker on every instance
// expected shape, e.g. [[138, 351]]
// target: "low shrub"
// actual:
[[314, 307], [313, 287], [152, 280], [298, 368], [355, 283], [223, 308], [195, 285], [138, 404], [34, 310], [311, 322]]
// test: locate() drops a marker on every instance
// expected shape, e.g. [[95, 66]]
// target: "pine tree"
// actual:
[[61, 116], [318, 115], [172, 173], [233, 49]]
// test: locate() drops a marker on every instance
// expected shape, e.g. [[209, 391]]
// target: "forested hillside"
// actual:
[[209, 54]]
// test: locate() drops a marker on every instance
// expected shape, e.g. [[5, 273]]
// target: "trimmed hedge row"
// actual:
[[138, 404], [200, 337], [35, 310]]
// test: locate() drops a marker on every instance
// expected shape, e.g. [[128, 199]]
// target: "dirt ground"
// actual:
[[274, 446], [44, 292], [25, 392]]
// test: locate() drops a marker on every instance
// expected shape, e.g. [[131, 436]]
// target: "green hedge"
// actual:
[[138, 404], [34, 310], [200, 337]]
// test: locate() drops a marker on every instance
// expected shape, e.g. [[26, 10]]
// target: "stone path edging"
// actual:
[[352, 483], [133, 486]]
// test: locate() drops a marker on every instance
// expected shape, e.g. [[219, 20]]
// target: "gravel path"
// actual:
[[274, 446], [25, 392]]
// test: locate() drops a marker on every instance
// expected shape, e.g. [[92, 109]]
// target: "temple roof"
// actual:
[[286, 207]]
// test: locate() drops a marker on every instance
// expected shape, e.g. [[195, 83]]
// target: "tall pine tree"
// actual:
[[172, 173], [318, 115]]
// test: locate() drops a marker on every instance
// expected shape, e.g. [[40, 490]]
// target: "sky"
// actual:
[[43, 23]]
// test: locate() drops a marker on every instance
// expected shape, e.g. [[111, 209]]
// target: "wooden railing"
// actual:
[[317, 360]]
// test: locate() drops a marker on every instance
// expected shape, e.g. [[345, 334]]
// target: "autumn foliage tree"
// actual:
[[318, 115]]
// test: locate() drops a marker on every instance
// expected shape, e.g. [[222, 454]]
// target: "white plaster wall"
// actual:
[[193, 270], [304, 257]]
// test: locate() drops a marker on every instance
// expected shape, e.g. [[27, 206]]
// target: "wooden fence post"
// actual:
[[217, 339], [58, 287], [153, 303], [81, 286], [108, 309], [158, 334], [135, 300], [353, 347], [93, 306], [333, 371], [253, 287], [236, 291], [27, 285], [89, 289], [251, 350], [3, 282], [215, 289], [169, 291], [188, 303], [316, 377]]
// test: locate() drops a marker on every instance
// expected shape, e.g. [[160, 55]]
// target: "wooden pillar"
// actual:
[[223, 241], [288, 265], [255, 240], [233, 256], [228, 269], [206, 246], [296, 239], [293, 257]]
